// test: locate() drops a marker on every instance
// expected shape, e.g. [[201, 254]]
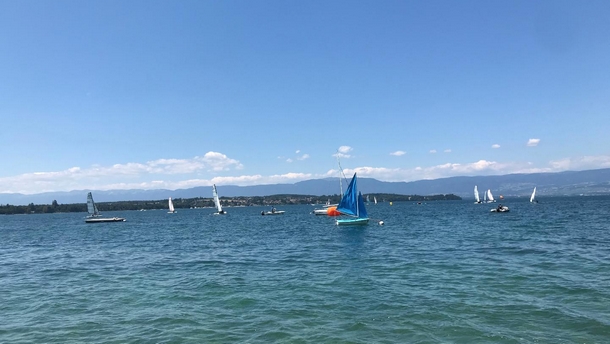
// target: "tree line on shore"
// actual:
[[199, 202]]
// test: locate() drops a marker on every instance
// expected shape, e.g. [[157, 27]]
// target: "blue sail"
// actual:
[[352, 202], [361, 208]]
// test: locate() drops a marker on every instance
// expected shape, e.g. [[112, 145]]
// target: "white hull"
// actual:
[[277, 212]]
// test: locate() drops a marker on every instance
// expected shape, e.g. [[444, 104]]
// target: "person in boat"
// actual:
[[499, 207], [273, 210]]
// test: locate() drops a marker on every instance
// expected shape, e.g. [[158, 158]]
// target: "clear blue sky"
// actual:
[[175, 94]]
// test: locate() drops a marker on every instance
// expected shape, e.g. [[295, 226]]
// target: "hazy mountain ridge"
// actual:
[[589, 182]]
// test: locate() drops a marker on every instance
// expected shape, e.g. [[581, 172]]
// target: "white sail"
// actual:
[[374, 199], [532, 198], [216, 199], [91, 207], [476, 194], [490, 197], [171, 206]]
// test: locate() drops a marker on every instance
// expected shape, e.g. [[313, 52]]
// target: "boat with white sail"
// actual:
[[95, 215], [217, 201], [352, 204], [490, 197], [533, 196], [171, 206], [476, 195]]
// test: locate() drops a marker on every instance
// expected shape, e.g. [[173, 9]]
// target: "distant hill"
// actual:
[[590, 182]]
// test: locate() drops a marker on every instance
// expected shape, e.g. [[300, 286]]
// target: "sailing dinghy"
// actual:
[[94, 214], [352, 204], [171, 206], [217, 202], [533, 197]]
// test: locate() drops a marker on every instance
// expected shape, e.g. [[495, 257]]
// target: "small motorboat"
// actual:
[[500, 209]]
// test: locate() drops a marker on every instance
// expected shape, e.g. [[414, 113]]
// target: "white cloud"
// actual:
[[167, 173], [533, 142], [398, 153], [495, 146], [288, 160], [298, 151], [343, 151], [447, 151], [433, 151], [303, 157], [92, 177]]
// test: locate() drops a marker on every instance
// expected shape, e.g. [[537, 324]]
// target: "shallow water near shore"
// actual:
[[437, 272]]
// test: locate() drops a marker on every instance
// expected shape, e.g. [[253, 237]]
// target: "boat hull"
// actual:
[[353, 222], [503, 209], [104, 219], [277, 212]]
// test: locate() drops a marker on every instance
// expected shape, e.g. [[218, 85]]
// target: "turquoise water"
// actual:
[[440, 272]]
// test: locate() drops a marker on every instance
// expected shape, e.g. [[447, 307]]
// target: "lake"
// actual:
[[437, 272]]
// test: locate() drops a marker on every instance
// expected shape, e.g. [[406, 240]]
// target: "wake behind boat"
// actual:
[[94, 214]]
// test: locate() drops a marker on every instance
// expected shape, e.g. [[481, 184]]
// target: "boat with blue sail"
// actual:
[[352, 204]]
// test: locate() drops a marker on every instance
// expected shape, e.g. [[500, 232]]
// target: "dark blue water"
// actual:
[[440, 272]]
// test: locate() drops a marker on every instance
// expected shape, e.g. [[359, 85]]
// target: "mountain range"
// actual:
[[589, 182]]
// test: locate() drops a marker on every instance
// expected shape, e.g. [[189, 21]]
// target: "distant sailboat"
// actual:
[[94, 214], [374, 199], [217, 201], [490, 197], [171, 207], [533, 197], [476, 195], [352, 204]]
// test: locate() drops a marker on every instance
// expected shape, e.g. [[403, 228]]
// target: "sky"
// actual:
[[149, 94]]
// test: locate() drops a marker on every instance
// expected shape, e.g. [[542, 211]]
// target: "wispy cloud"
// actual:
[[533, 142], [167, 173], [433, 151], [96, 175], [398, 153], [495, 146], [447, 151], [343, 152], [303, 157]]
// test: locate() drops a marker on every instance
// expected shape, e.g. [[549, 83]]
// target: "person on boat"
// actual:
[[273, 209], [499, 207]]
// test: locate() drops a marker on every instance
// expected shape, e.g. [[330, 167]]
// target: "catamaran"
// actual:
[[94, 214], [171, 207], [217, 201], [490, 197], [352, 204]]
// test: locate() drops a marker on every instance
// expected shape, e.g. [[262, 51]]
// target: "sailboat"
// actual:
[[352, 204], [490, 197], [533, 197], [95, 215], [217, 202], [374, 199], [171, 207], [476, 195]]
